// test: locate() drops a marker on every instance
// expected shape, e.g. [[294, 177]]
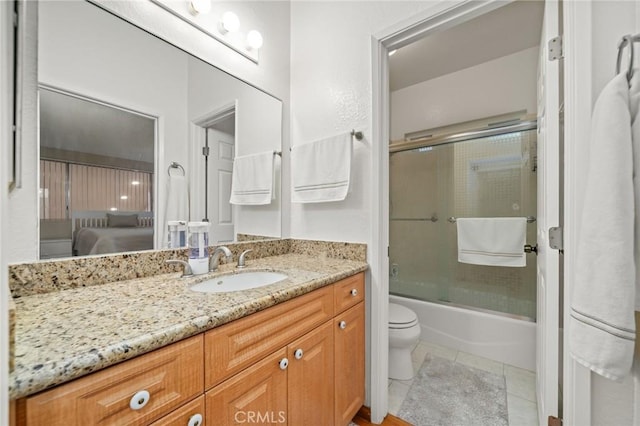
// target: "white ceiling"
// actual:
[[74, 124], [504, 31]]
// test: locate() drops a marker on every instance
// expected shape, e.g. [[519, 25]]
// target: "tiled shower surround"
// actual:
[[487, 177]]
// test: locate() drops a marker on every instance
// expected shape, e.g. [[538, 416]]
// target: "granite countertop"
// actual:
[[67, 334]]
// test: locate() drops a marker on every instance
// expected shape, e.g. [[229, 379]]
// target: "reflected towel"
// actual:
[[176, 205], [320, 170], [252, 180], [602, 327], [177, 199], [492, 241]]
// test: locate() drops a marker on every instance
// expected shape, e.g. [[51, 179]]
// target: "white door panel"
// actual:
[[220, 171]]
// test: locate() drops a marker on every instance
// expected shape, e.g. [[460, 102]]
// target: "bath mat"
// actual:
[[446, 393]]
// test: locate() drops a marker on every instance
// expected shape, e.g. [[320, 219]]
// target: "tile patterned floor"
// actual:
[[521, 384]]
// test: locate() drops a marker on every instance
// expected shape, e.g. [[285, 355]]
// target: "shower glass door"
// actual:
[[491, 176]]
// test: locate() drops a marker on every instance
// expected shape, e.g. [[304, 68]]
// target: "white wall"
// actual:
[[330, 94], [495, 87]]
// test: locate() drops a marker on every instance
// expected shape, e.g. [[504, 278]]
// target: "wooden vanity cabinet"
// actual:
[[300, 362], [323, 369]]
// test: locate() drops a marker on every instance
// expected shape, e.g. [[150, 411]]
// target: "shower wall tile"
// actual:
[[481, 178]]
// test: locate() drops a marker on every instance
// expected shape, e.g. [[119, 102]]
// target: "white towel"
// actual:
[[494, 241], [252, 179], [634, 104], [320, 170], [176, 206], [602, 327]]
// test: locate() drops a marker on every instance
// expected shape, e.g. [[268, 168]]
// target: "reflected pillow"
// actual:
[[122, 220]]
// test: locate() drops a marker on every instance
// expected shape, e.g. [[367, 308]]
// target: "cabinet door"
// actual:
[[311, 378], [349, 363], [257, 395]]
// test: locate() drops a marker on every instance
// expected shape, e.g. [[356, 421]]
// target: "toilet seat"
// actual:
[[401, 317]]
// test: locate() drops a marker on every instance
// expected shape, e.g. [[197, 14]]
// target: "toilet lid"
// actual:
[[401, 316]]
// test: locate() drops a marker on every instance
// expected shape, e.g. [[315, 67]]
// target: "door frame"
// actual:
[[578, 101]]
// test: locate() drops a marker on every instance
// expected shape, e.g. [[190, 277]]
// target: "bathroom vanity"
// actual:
[[289, 353]]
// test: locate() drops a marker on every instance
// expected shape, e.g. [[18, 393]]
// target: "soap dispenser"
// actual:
[[199, 247]]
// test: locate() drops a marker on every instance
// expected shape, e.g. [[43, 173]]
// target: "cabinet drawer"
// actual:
[[234, 346], [171, 375], [348, 292], [187, 415]]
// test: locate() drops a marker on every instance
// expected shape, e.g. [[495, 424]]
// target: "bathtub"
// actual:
[[496, 337]]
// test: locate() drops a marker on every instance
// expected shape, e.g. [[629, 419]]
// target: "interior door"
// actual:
[[548, 272], [220, 171]]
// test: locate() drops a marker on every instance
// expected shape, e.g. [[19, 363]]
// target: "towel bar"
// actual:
[[530, 219]]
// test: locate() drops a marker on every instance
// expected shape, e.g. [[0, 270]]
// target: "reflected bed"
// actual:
[[98, 232]]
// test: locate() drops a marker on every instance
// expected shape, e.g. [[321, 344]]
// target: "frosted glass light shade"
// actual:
[[229, 23], [254, 39]]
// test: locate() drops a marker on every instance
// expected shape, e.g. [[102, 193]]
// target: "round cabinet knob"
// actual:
[[354, 292], [195, 420], [298, 353], [139, 400], [342, 325], [284, 363]]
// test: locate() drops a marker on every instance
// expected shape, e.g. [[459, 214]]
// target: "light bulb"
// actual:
[[200, 6], [254, 39], [229, 23]]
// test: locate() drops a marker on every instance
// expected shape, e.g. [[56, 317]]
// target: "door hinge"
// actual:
[[205, 151], [555, 238], [15, 19], [555, 48]]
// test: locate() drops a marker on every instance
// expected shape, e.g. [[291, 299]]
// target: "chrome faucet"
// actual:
[[215, 257], [186, 271], [241, 259]]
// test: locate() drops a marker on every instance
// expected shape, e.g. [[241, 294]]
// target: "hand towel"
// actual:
[[497, 241], [176, 205], [602, 326], [252, 179], [320, 170]]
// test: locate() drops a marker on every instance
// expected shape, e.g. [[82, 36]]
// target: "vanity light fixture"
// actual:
[[254, 39], [229, 23], [135, 182], [197, 7]]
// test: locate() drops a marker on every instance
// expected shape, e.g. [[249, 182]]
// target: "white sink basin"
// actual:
[[237, 282]]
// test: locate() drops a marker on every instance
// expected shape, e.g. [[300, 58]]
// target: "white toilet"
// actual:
[[404, 331]]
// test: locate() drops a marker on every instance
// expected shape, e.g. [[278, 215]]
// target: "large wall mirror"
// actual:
[[124, 118]]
